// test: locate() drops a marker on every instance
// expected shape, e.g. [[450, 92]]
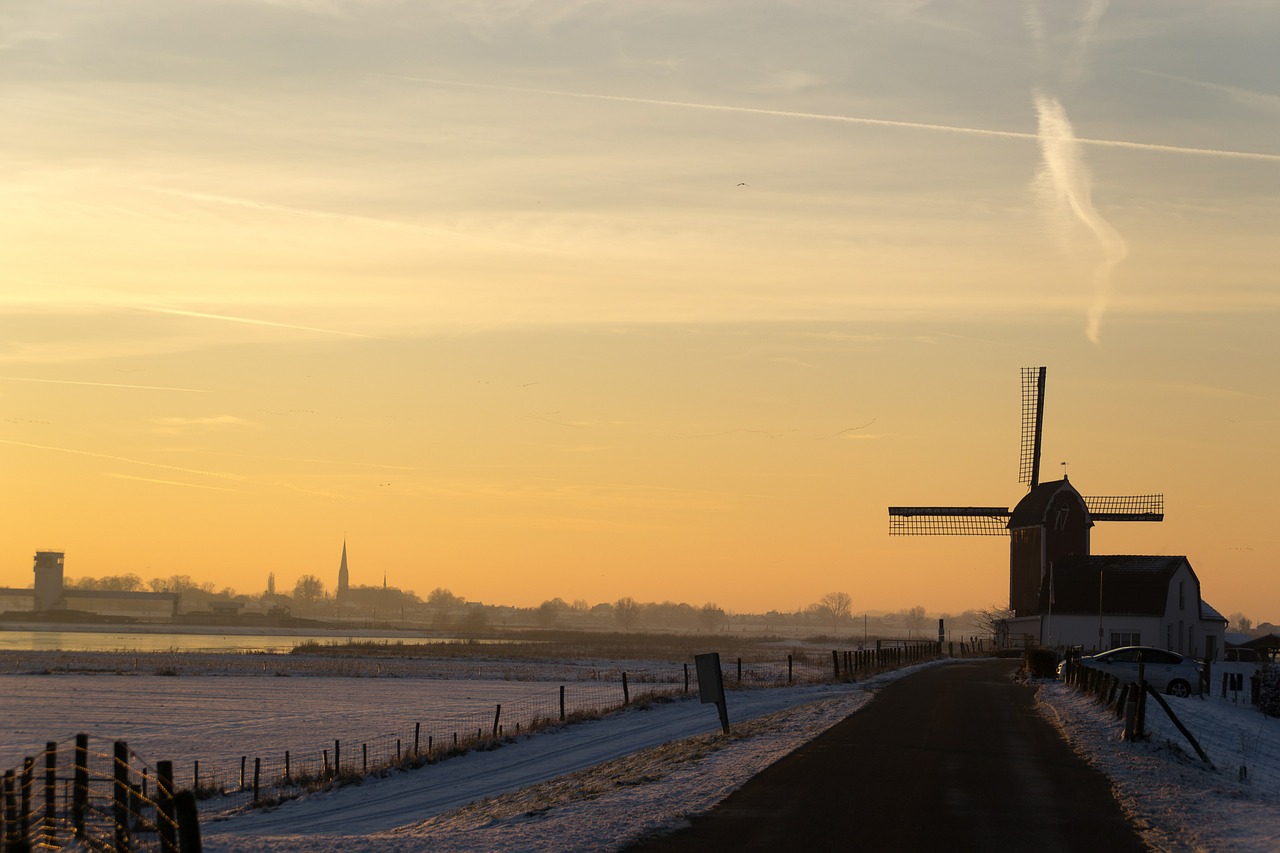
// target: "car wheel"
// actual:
[[1179, 688]]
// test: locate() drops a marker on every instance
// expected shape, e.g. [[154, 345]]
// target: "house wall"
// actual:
[[1075, 629]]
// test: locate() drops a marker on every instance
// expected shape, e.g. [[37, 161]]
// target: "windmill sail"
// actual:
[[948, 521], [1126, 507], [1032, 425]]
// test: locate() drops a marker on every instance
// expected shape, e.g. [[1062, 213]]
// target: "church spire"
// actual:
[[343, 578]]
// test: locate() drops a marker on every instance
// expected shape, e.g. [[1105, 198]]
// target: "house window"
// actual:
[[1125, 638], [1211, 647]]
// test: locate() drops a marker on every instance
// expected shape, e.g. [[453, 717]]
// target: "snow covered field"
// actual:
[[601, 784]]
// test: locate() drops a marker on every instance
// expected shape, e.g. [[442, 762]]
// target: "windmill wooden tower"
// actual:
[[1051, 521]]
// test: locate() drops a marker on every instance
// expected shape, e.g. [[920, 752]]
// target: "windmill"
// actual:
[[1051, 521]]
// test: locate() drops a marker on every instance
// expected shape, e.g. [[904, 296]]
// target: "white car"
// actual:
[[1168, 672]]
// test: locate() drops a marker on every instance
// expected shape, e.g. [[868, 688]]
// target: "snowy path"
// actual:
[[401, 798]]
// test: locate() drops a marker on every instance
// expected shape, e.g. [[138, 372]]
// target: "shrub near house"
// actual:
[[1269, 691]]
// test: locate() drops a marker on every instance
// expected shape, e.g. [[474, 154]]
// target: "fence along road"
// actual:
[[950, 758], [383, 804]]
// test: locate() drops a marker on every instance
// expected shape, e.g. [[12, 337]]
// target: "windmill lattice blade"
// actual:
[[948, 521], [1126, 507], [1032, 425]]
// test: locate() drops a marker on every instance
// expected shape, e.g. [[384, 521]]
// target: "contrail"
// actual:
[[876, 122], [102, 384], [219, 475], [170, 482], [1065, 174], [247, 320]]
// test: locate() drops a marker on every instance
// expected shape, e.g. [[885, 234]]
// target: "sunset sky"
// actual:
[[661, 299]]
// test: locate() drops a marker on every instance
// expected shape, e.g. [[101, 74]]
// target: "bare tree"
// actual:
[[1241, 623], [710, 616], [626, 610], [914, 617], [444, 599], [308, 590], [993, 620], [548, 611], [835, 606]]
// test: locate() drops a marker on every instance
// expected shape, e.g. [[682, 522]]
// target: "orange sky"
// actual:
[[589, 301]]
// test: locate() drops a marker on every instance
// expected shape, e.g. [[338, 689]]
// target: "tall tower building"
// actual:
[[49, 581], [343, 579]]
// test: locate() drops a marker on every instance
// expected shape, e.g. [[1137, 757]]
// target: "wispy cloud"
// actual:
[[1064, 186], [218, 474], [169, 482], [877, 122], [175, 425], [246, 320], [1246, 97], [102, 384]]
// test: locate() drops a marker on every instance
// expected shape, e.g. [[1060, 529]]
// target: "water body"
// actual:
[[157, 641]]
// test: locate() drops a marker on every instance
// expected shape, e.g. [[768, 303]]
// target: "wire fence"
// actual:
[[271, 775], [72, 795], [1229, 734]]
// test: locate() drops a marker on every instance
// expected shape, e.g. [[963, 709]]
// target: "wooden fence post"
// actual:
[[364, 758], [166, 816], [337, 758], [120, 795], [80, 785], [195, 776], [739, 671], [626, 694], [324, 755], [26, 781], [686, 678], [188, 822], [417, 732], [51, 793], [10, 812], [788, 668], [497, 715], [562, 702], [835, 665]]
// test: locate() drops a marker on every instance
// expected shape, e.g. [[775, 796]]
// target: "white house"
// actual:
[[1104, 601]]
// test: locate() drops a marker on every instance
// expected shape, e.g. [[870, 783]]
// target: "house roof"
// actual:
[[1208, 614], [1033, 509], [1136, 585], [1265, 643]]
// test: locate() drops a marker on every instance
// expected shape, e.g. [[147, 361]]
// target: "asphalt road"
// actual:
[[954, 758]]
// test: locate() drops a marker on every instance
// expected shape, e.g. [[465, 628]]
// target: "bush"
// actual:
[[1040, 663], [1269, 692]]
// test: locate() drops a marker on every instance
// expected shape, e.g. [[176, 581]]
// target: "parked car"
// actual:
[[1168, 672]]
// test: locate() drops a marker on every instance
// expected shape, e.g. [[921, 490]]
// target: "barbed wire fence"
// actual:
[[272, 775], [72, 795]]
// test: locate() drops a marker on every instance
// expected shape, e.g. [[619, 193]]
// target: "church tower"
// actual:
[[343, 579]]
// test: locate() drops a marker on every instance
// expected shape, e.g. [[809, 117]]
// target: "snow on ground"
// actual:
[[530, 801], [602, 784], [1178, 801], [592, 786]]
